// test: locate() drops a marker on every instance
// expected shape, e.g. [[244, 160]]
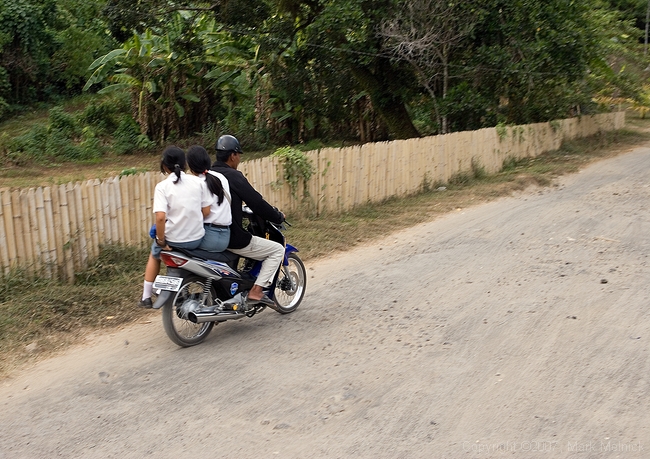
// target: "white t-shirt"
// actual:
[[220, 214], [182, 203]]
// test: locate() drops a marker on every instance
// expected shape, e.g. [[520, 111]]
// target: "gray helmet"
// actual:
[[228, 143]]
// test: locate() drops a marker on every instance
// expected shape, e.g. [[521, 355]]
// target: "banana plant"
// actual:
[[175, 77]]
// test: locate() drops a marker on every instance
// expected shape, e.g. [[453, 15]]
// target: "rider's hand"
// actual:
[[280, 212]]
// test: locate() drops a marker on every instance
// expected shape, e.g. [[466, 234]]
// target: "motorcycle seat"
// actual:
[[225, 257]]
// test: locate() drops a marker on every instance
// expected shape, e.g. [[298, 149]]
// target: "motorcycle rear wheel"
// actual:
[[174, 314], [291, 284]]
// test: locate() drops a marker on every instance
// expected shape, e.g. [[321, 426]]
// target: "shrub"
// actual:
[[59, 146], [296, 167], [63, 122], [5, 108], [101, 117], [28, 147], [90, 146], [126, 136], [105, 116]]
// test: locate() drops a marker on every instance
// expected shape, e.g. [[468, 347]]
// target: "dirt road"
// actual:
[[518, 328]]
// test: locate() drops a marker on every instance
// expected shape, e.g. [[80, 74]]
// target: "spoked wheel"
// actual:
[[177, 326], [291, 284]]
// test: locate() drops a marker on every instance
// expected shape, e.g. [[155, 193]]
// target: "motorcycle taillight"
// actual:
[[172, 261]]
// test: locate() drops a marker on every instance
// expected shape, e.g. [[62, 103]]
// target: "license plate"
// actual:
[[168, 283]]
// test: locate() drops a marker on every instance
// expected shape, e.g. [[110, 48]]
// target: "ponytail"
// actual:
[[177, 171], [198, 161], [215, 186], [173, 160]]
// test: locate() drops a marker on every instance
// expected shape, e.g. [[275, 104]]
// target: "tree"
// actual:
[[617, 75], [46, 47], [635, 10], [26, 43], [80, 36], [345, 33], [175, 78], [530, 58], [425, 33]]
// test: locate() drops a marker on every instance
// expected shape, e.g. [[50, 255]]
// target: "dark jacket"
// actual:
[[241, 190]]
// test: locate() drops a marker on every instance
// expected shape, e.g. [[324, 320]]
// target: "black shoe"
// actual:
[[146, 303]]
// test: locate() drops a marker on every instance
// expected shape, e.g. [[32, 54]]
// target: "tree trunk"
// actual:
[[445, 82], [389, 106], [647, 25]]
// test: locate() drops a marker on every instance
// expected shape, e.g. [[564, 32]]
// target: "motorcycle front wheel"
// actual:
[[291, 284], [174, 313]]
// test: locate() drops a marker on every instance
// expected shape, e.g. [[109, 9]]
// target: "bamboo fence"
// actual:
[[55, 231]]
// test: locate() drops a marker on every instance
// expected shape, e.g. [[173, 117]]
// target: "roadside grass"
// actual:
[[42, 317]]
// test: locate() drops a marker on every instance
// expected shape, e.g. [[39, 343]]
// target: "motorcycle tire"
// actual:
[[174, 314], [291, 284]]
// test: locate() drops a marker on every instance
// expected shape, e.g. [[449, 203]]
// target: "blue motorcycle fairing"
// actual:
[[287, 250], [285, 262]]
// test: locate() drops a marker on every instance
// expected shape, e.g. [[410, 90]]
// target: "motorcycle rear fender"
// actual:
[[166, 295]]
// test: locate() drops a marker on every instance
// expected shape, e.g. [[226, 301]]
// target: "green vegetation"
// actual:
[[69, 135], [295, 72], [296, 168]]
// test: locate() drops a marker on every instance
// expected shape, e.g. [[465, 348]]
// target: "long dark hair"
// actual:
[[198, 161], [173, 159]]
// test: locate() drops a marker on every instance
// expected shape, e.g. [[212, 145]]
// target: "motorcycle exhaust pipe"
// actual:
[[207, 315], [213, 314]]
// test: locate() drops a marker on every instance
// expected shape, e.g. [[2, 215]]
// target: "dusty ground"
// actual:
[[517, 328]]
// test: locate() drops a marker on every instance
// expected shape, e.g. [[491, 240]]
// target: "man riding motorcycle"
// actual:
[[242, 242]]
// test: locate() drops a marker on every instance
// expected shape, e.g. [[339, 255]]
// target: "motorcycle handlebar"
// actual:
[[248, 211]]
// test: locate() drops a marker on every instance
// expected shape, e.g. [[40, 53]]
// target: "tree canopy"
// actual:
[[291, 71]]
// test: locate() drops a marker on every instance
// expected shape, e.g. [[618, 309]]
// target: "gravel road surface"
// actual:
[[517, 328]]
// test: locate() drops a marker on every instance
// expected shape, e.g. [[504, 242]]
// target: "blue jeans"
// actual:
[[156, 249], [215, 239]]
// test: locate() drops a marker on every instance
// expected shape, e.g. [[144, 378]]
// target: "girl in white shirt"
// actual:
[[217, 223], [180, 202]]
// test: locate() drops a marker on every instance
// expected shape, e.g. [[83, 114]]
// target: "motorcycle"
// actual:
[[201, 289]]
